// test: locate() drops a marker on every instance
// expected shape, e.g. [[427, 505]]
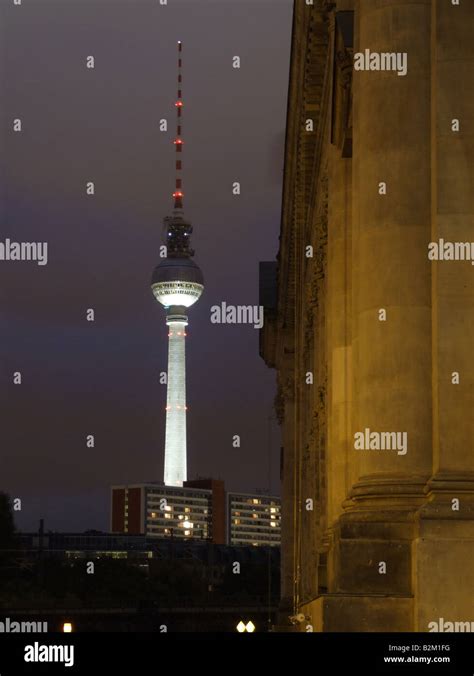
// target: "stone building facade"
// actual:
[[369, 336]]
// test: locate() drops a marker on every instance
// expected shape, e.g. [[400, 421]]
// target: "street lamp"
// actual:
[[249, 627]]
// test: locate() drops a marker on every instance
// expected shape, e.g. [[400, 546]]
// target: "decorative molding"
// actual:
[[285, 393]]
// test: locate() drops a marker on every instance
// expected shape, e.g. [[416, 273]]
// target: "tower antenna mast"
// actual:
[[178, 142]]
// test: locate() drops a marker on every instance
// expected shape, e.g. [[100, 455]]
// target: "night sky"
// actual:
[[102, 125]]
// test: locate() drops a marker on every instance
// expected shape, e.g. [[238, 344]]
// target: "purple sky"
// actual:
[[101, 125]]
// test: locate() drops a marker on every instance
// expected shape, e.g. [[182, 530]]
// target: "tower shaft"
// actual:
[[175, 440]]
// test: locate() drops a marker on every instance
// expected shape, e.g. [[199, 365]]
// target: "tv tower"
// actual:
[[177, 283]]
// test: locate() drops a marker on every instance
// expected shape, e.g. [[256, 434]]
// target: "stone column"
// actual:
[[286, 416], [445, 547], [391, 316], [392, 369]]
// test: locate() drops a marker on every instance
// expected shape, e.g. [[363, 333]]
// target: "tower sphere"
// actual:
[[177, 282]]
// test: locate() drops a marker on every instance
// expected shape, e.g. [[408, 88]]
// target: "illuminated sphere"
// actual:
[[177, 282]]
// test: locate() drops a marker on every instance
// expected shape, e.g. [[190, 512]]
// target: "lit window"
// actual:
[[273, 510], [167, 516], [236, 521], [187, 532], [168, 508], [167, 530], [180, 516], [153, 515], [255, 501], [187, 509], [255, 516], [273, 524]]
